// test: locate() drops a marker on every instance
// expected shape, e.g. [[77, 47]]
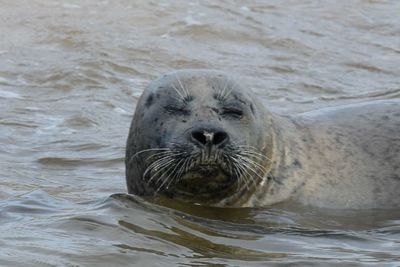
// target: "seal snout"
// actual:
[[210, 142], [209, 137]]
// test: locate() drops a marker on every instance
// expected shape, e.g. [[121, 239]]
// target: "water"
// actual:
[[70, 76]]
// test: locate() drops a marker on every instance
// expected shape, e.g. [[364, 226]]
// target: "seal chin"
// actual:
[[206, 172], [204, 181]]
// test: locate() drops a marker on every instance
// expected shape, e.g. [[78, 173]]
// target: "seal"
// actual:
[[202, 137]]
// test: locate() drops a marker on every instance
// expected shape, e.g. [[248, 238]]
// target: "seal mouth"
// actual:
[[192, 175], [204, 172], [204, 180]]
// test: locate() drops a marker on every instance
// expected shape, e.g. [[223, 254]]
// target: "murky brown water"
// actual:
[[70, 76]]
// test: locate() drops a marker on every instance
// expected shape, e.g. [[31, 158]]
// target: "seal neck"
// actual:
[[285, 178]]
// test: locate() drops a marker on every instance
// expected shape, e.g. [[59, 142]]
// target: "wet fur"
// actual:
[[343, 157]]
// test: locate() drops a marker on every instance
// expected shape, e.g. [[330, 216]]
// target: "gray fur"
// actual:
[[342, 157]]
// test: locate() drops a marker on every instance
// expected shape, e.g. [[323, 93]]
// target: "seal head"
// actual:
[[198, 136]]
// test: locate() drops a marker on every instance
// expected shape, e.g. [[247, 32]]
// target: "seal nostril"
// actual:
[[220, 137], [199, 136], [209, 137]]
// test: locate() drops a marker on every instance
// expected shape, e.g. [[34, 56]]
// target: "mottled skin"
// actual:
[[351, 155], [344, 157]]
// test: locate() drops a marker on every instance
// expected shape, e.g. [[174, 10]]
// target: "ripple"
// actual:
[[8, 94], [62, 161], [367, 67], [381, 94], [71, 74]]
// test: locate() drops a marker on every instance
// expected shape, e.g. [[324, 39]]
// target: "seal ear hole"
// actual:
[[252, 109]]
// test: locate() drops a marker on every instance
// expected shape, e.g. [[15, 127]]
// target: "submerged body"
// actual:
[[201, 137], [347, 156]]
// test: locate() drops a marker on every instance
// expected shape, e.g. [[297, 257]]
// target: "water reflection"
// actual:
[[154, 229]]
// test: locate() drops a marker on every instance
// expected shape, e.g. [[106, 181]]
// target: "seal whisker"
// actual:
[[155, 166], [160, 158], [187, 96], [228, 92], [254, 163], [248, 147], [243, 166], [158, 167], [254, 175], [239, 174], [182, 97], [163, 167], [161, 171], [161, 178], [168, 177], [220, 95], [254, 167], [177, 173], [230, 165], [184, 167], [156, 170], [178, 99], [245, 149], [174, 170], [254, 155], [244, 175], [164, 154], [249, 175], [148, 150], [239, 167], [239, 178], [250, 166]]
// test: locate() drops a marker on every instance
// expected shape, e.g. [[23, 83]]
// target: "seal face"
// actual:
[[200, 136], [197, 136]]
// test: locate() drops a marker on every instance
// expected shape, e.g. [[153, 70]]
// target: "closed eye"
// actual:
[[232, 113], [177, 110]]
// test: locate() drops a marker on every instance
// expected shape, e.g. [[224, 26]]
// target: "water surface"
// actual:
[[70, 76]]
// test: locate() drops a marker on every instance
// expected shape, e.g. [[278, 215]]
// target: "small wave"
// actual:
[[386, 94], [8, 94], [367, 67], [62, 161]]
